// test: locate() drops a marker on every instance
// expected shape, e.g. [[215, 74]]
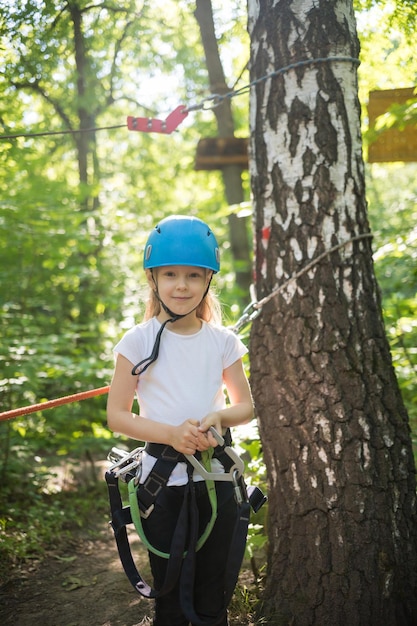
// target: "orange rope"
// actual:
[[42, 406]]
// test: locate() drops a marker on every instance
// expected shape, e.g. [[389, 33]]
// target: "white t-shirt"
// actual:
[[186, 381]]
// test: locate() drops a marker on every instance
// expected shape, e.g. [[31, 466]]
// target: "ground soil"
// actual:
[[82, 583]]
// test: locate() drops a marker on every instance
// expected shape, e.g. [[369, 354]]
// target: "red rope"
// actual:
[[50, 404]]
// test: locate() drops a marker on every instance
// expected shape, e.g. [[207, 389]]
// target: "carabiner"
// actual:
[[126, 465], [251, 312]]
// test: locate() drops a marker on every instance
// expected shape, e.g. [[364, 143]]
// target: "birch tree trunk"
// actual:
[[335, 433]]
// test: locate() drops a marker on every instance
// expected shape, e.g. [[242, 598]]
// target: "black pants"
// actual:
[[210, 559]]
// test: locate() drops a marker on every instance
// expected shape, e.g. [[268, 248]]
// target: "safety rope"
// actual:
[[250, 313], [50, 404], [253, 310]]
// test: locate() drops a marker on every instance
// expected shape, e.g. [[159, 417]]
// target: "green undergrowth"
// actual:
[[42, 502], [46, 498]]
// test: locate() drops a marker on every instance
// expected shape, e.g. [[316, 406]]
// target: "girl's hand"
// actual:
[[206, 439], [185, 437]]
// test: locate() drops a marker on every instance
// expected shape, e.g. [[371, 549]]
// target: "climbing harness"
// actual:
[[185, 543]]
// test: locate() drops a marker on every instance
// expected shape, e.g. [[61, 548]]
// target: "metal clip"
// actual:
[[126, 465], [234, 472], [238, 488], [251, 312]]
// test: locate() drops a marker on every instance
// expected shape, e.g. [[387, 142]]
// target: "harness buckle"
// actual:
[[146, 514], [154, 483], [125, 465], [239, 488]]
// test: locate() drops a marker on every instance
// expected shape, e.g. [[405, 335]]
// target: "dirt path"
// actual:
[[84, 585], [81, 585]]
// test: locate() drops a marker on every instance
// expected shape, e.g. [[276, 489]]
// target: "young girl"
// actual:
[[178, 362]]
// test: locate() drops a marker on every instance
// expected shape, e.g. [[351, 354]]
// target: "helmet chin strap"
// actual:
[[143, 365], [173, 316], [168, 311]]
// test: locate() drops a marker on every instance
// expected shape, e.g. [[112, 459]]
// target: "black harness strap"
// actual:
[[167, 458], [185, 536], [121, 516], [234, 562]]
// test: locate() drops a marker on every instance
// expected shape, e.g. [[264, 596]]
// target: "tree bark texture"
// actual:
[[335, 433]]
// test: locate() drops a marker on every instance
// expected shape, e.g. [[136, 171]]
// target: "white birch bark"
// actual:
[[342, 533]]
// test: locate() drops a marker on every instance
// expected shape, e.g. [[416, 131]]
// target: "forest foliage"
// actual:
[[70, 250]]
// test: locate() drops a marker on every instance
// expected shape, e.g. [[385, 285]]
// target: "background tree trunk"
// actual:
[[342, 531], [232, 174]]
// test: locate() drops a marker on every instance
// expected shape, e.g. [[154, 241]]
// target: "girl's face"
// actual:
[[180, 287]]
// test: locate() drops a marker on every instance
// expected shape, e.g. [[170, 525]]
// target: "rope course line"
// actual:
[[62, 132], [50, 404], [253, 310], [218, 98], [215, 99]]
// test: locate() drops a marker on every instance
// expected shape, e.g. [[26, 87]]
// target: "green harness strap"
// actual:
[[137, 519]]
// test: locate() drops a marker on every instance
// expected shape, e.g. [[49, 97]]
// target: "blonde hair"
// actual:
[[209, 309]]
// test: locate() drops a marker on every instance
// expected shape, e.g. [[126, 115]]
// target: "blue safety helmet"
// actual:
[[182, 240]]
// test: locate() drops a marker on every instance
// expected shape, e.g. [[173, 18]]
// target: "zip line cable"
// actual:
[[254, 308], [215, 99], [61, 132], [218, 99], [309, 266]]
